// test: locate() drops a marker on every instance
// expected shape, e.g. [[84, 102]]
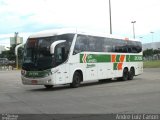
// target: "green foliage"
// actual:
[[156, 51], [152, 63], [150, 52], [10, 54]]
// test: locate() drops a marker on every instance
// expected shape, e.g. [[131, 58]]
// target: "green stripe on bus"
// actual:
[[81, 56], [104, 58], [94, 58], [127, 58], [101, 58], [117, 58], [115, 66], [134, 58]]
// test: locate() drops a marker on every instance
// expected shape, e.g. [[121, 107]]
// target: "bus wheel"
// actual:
[[48, 86], [77, 78], [125, 75], [131, 74]]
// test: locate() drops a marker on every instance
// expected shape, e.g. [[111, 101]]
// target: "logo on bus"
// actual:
[[88, 59], [84, 58]]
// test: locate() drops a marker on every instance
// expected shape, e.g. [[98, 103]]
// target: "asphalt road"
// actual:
[[141, 95]]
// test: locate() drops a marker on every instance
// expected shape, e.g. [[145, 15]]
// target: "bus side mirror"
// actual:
[[54, 44]]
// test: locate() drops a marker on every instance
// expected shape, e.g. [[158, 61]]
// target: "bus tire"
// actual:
[[48, 86], [131, 74], [124, 76], [77, 78]]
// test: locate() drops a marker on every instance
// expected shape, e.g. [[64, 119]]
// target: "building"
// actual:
[[16, 39], [153, 45], [2, 48]]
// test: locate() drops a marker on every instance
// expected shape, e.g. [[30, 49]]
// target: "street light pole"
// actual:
[[16, 36], [133, 22], [110, 16], [152, 36], [141, 38]]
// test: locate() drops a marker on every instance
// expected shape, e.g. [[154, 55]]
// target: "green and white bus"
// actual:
[[71, 57]]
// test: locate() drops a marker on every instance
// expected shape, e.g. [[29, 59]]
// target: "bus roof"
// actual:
[[54, 32]]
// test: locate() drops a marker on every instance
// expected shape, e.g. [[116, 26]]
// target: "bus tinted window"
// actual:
[[95, 44], [121, 46], [81, 44], [108, 45], [134, 46], [88, 43], [37, 52], [101, 44]]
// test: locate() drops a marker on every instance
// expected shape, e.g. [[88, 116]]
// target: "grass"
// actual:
[[152, 64]]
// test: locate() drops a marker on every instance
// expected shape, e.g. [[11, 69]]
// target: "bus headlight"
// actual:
[[47, 74], [23, 72], [49, 81]]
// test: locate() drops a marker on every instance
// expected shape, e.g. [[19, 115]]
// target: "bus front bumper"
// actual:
[[37, 81]]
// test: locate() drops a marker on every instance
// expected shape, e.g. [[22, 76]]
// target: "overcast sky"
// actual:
[[28, 16]]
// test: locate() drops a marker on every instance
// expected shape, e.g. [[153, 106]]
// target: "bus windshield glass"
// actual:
[[37, 52]]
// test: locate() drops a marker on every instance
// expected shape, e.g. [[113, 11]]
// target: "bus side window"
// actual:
[[95, 44], [92, 44], [59, 55], [81, 44], [129, 49]]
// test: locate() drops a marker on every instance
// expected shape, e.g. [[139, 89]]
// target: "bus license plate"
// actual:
[[34, 81]]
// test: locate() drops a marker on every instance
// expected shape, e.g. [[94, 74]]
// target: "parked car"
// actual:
[[4, 61]]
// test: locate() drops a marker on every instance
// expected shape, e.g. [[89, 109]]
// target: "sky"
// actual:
[[29, 16]]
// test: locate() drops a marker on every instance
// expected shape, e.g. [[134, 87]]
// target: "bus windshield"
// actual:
[[37, 52]]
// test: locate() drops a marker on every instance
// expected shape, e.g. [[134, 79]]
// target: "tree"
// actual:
[[156, 51], [10, 54], [148, 52]]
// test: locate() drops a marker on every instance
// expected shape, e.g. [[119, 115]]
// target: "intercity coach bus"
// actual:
[[71, 57]]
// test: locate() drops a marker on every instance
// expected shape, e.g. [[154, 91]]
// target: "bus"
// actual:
[[60, 57]]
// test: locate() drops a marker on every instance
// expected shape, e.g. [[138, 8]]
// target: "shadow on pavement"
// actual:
[[85, 84]]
